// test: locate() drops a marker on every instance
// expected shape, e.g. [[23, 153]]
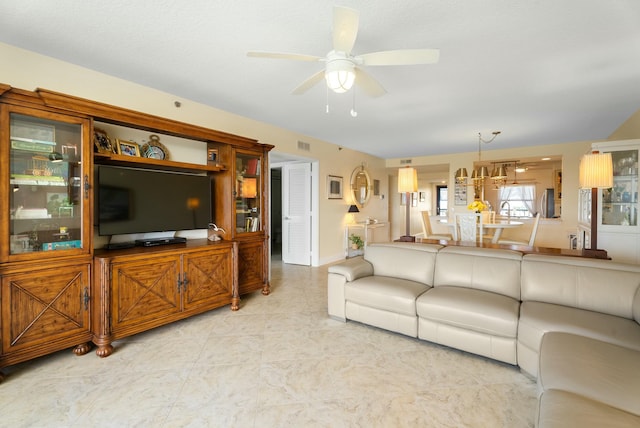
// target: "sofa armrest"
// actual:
[[338, 276], [353, 269]]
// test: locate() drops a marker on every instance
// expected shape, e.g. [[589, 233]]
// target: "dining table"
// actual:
[[498, 225]]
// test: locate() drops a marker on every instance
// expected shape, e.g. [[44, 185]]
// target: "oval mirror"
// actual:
[[360, 186]]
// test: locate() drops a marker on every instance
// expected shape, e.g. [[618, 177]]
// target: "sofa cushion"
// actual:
[[591, 368], [493, 270], [538, 318], [405, 260], [475, 310], [386, 293], [591, 284], [562, 409]]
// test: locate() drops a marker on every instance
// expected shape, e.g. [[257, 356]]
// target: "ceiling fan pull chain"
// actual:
[[354, 113], [327, 105]]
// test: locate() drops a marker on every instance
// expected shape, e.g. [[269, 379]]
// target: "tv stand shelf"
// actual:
[[140, 162]]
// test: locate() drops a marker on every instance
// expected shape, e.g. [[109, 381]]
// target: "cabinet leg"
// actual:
[[266, 290], [1, 377], [104, 346], [82, 349], [235, 304]]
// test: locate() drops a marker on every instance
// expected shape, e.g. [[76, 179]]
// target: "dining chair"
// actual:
[[532, 237], [469, 227], [427, 231]]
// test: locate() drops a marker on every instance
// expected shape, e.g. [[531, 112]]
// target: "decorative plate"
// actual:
[[154, 149]]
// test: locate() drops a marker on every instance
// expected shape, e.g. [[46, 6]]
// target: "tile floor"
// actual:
[[279, 361]]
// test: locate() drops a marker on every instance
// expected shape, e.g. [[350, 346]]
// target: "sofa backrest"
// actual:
[[591, 284], [493, 270], [407, 260]]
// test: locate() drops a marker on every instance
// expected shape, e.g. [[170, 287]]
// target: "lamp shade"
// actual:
[[596, 171], [499, 173], [407, 180], [461, 174], [353, 209]]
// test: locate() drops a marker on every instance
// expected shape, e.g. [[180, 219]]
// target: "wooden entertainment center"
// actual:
[[57, 290]]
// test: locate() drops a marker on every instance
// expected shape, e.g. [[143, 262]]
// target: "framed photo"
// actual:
[[128, 148], [212, 155], [334, 187], [423, 196], [376, 187], [460, 190], [414, 199], [102, 142]]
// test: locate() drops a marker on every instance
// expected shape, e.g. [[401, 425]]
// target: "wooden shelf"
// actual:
[[140, 162]]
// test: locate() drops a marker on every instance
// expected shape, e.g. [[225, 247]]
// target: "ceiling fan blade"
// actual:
[[283, 55], [401, 57], [368, 84], [345, 28], [307, 84]]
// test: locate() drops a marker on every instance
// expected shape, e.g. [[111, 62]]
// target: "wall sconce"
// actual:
[[407, 183], [596, 172]]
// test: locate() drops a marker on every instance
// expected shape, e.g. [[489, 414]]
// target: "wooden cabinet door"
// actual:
[[207, 279], [145, 292], [45, 308], [251, 266]]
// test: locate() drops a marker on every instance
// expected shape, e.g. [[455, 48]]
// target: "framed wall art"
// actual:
[[334, 187]]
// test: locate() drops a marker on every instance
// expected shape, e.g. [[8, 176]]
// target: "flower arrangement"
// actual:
[[477, 206]]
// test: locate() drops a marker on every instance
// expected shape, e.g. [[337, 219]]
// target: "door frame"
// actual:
[[277, 160]]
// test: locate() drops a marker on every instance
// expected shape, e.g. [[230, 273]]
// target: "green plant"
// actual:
[[356, 240]]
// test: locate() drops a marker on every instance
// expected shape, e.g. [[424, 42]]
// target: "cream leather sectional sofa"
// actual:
[[499, 304]]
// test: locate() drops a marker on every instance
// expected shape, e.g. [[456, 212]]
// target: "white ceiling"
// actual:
[[540, 71]]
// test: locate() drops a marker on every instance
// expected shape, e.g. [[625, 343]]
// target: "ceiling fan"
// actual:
[[344, 69]]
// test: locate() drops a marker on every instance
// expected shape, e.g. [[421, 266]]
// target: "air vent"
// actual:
[[405, 161], [304, 146]]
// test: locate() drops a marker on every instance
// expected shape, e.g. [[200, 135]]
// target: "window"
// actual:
[[442, 197], [517, 201]]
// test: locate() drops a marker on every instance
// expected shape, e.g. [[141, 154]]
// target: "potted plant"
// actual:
[[356, 241]]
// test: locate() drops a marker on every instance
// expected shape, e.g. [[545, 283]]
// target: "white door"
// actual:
[[296, 213]]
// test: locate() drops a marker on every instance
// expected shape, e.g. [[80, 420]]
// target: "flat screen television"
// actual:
[[131, 200]]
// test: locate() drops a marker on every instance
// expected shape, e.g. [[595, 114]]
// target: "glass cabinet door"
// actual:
[[619, 203], [247, 192], [46, 200]]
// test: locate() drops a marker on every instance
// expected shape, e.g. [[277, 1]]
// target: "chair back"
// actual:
[[426, 224], [469, 227], [534, 230]]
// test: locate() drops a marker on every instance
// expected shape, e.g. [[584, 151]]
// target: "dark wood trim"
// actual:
[[524, 249]]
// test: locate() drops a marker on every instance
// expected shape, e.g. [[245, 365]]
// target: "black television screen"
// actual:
[[131, 200]]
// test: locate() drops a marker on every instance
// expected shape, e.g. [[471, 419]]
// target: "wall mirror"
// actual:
[[361, 186]]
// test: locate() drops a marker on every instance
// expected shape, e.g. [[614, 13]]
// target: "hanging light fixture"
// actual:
[[461, 175], [340, 75]]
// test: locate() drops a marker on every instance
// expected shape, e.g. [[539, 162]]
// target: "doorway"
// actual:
[[293, 210]]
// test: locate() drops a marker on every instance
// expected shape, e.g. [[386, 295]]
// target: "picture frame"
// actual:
[[460, 190], [334, 187], [212, 155], [128, 148], [102, 142], [423, 196], [414, 199], [376, 187]]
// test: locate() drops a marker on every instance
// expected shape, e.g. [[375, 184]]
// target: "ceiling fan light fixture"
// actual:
[[340, 75]]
